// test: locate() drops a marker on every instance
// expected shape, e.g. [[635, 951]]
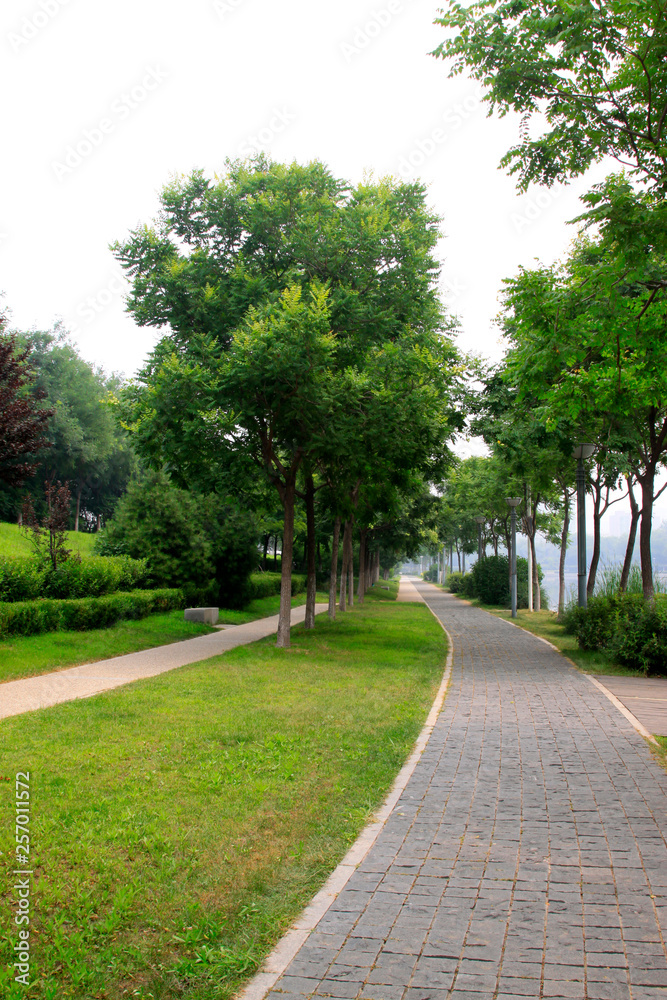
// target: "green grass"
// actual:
[[181, 823], [14, 541], [26, 656]]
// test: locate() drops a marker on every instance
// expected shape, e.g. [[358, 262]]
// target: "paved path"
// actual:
[[44, 690], [645, 697], [525, 858]]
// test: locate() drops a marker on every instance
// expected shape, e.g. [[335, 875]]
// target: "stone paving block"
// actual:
[[530, 835]]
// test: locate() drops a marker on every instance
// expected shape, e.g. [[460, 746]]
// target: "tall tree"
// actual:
[[23, 424], [595, 73]]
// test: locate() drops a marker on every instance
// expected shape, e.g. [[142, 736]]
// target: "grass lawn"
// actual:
[[181, 823], [26, 656], [14, 542]]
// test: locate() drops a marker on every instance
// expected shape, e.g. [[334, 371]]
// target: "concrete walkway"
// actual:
[[526, 856], [84, 681]]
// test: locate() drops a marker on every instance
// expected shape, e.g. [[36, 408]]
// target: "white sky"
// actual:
[[145, 88], [184, 85]]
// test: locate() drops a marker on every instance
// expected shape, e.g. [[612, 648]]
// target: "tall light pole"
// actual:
[[581, 453], [480, 521], [514, 503]]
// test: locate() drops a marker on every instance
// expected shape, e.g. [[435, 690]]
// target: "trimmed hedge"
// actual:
[[21, 578], [267, 584], [25, 578], [45, 615], [633, 631]]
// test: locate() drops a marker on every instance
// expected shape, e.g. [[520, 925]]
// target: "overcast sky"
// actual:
[[105, 101]]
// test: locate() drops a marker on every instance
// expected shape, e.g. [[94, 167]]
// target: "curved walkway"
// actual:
[[44, 690], [525, 858]]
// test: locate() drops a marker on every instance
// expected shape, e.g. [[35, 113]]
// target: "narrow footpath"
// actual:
[[526, 856], [44, 690]]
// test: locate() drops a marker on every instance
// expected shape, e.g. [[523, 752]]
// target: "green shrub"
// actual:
[[95, 577], [21, 579], [45, 615], [431, 575], [489, 581], [454, 582], [198, 543], [633, 631]]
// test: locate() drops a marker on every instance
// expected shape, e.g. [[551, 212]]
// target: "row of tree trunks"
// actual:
[[335, 543], [311, 580], [287, 492], [361, 588]]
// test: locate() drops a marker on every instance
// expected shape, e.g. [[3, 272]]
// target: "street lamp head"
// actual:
[[513, 501], [480, 519], [584, 451]]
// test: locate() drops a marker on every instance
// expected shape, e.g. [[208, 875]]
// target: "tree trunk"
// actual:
[[361, 586], [632, 537], [334, 569], [98, 524], [284, 621], [311, 581], [267, 538], [342, 604], [563, 550], [275, 552], [535, 583], [78, 508], [647, 483], [595, 557], [350, 566]]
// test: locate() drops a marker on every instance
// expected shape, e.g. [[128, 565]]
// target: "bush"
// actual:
[[454, 582], [36, 617], [96, 577], [198, 543], [626, 626], [431, 575], [21, 579], [489, 581]]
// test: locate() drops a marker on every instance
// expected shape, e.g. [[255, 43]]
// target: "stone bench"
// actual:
[[209, 616]]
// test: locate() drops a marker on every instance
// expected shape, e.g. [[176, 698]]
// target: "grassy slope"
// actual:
[[181, 823], [13, 541], [26, 656]]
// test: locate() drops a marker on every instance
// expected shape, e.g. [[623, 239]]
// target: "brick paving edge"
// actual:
[[278, 960]]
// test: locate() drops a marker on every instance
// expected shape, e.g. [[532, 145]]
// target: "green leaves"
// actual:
[[596, 72]]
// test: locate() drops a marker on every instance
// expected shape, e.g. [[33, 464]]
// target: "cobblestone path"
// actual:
[[526, 856]]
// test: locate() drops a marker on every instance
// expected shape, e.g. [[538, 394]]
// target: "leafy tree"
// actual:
[[238, 270], [588, 339], [596, 72], [23, 423]]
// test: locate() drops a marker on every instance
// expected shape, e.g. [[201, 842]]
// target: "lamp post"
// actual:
[[581, 453], [514, 503], [480, 521]]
